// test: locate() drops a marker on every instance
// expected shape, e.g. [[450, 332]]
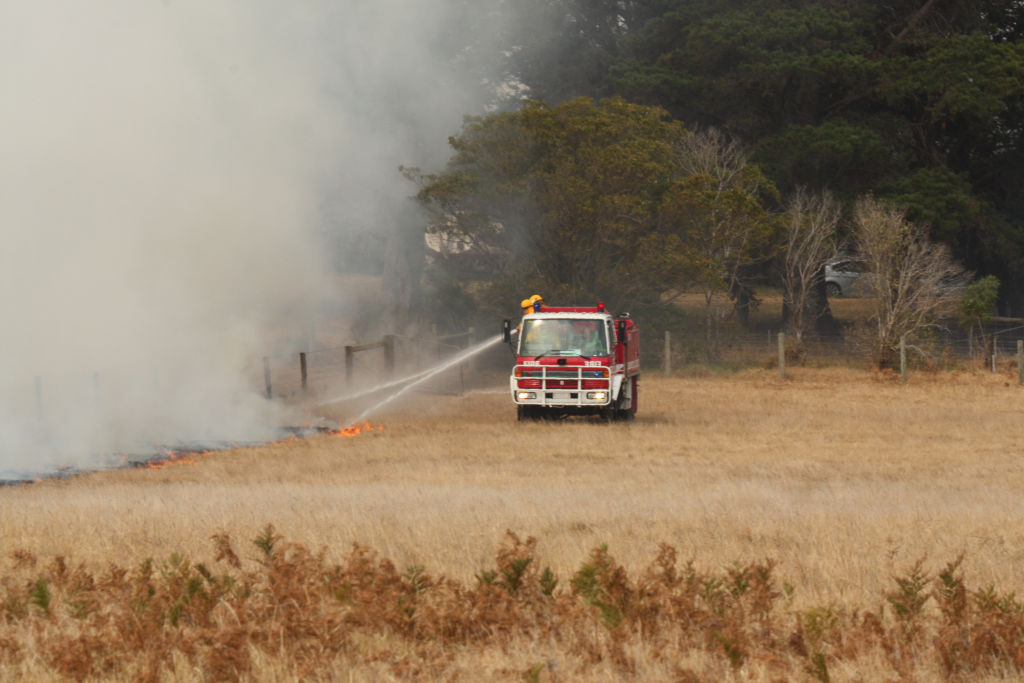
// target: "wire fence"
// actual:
[[356, 367], [341, 371], [996, 346]]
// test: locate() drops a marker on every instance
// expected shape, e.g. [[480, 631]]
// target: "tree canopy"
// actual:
[[566, 194], [919, 103], [605, 200]]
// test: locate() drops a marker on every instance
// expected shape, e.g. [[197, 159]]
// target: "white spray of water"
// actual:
[[423, 377], [377, 388]]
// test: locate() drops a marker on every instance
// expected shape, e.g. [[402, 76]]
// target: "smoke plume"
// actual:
[[177, 184]]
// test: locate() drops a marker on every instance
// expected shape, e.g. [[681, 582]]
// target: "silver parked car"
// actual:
[[844, 277]]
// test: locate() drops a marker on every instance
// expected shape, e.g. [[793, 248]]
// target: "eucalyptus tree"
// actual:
[[564, 194], [810, 229], [915, 282]]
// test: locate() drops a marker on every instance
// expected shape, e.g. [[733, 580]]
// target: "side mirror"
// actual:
[[506, 331]]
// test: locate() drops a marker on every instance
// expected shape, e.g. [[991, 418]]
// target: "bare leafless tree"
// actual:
[[915, 281], [810, 240], [711, 152], [716, 206]]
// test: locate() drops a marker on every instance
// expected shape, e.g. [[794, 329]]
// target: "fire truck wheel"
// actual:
[[634, 392], [524, 413]]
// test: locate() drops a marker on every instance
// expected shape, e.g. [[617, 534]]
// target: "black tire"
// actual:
[[616, 413], [833, 290], [534, 413], [634, 395]]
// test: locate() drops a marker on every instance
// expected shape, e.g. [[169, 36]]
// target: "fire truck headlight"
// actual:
[[525, 395], [597, 395]]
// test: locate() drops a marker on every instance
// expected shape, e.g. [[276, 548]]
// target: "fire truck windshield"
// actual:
[[562, 337]]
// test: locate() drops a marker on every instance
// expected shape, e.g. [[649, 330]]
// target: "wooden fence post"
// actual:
[[1020, 362], [349, 358], [903, 358], [302, 370], [266, 375], [995, 351], [782, 355], [389, 354], [668, 354]]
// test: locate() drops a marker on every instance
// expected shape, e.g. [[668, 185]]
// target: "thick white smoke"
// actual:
[[173, 179]]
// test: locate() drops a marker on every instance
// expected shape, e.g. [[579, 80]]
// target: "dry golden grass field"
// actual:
[[813, 521]]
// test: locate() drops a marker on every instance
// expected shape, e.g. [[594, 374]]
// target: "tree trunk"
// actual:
[[821, 313], [402, 273], [742, 297]]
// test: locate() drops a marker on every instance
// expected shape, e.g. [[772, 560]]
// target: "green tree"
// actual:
[[712, 224], [606, 201], [563, 49], [921, 103], [750, 68], [564, 193], [977, 304]]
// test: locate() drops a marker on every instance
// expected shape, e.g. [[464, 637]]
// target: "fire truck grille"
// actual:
[[573, 379]]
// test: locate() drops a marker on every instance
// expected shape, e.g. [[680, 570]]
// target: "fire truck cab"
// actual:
[[576, 360]]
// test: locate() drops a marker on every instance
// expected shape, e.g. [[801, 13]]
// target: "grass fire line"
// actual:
[[360, 424], [174, 458]]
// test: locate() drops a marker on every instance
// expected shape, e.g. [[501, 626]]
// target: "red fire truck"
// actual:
[[575, 360]]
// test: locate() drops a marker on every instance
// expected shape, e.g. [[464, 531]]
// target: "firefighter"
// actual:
[[586, 337], [531, 305], [544, 333], [527, 306]]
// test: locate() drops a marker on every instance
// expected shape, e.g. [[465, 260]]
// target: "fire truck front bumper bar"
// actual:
[[588, 386]]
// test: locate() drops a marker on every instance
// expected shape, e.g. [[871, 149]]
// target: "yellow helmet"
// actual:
[[535, 298], [527, 303]]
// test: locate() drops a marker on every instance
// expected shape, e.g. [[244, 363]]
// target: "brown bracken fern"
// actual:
[[292, 613]]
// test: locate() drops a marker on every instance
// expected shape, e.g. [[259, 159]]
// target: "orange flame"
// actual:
[[173, 458], [357, 429]]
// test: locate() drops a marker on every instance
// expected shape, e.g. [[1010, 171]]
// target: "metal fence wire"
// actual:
[[357, 367], [855, 346], [354, 368]]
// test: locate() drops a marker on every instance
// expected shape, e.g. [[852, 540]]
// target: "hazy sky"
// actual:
[[169, 171]]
